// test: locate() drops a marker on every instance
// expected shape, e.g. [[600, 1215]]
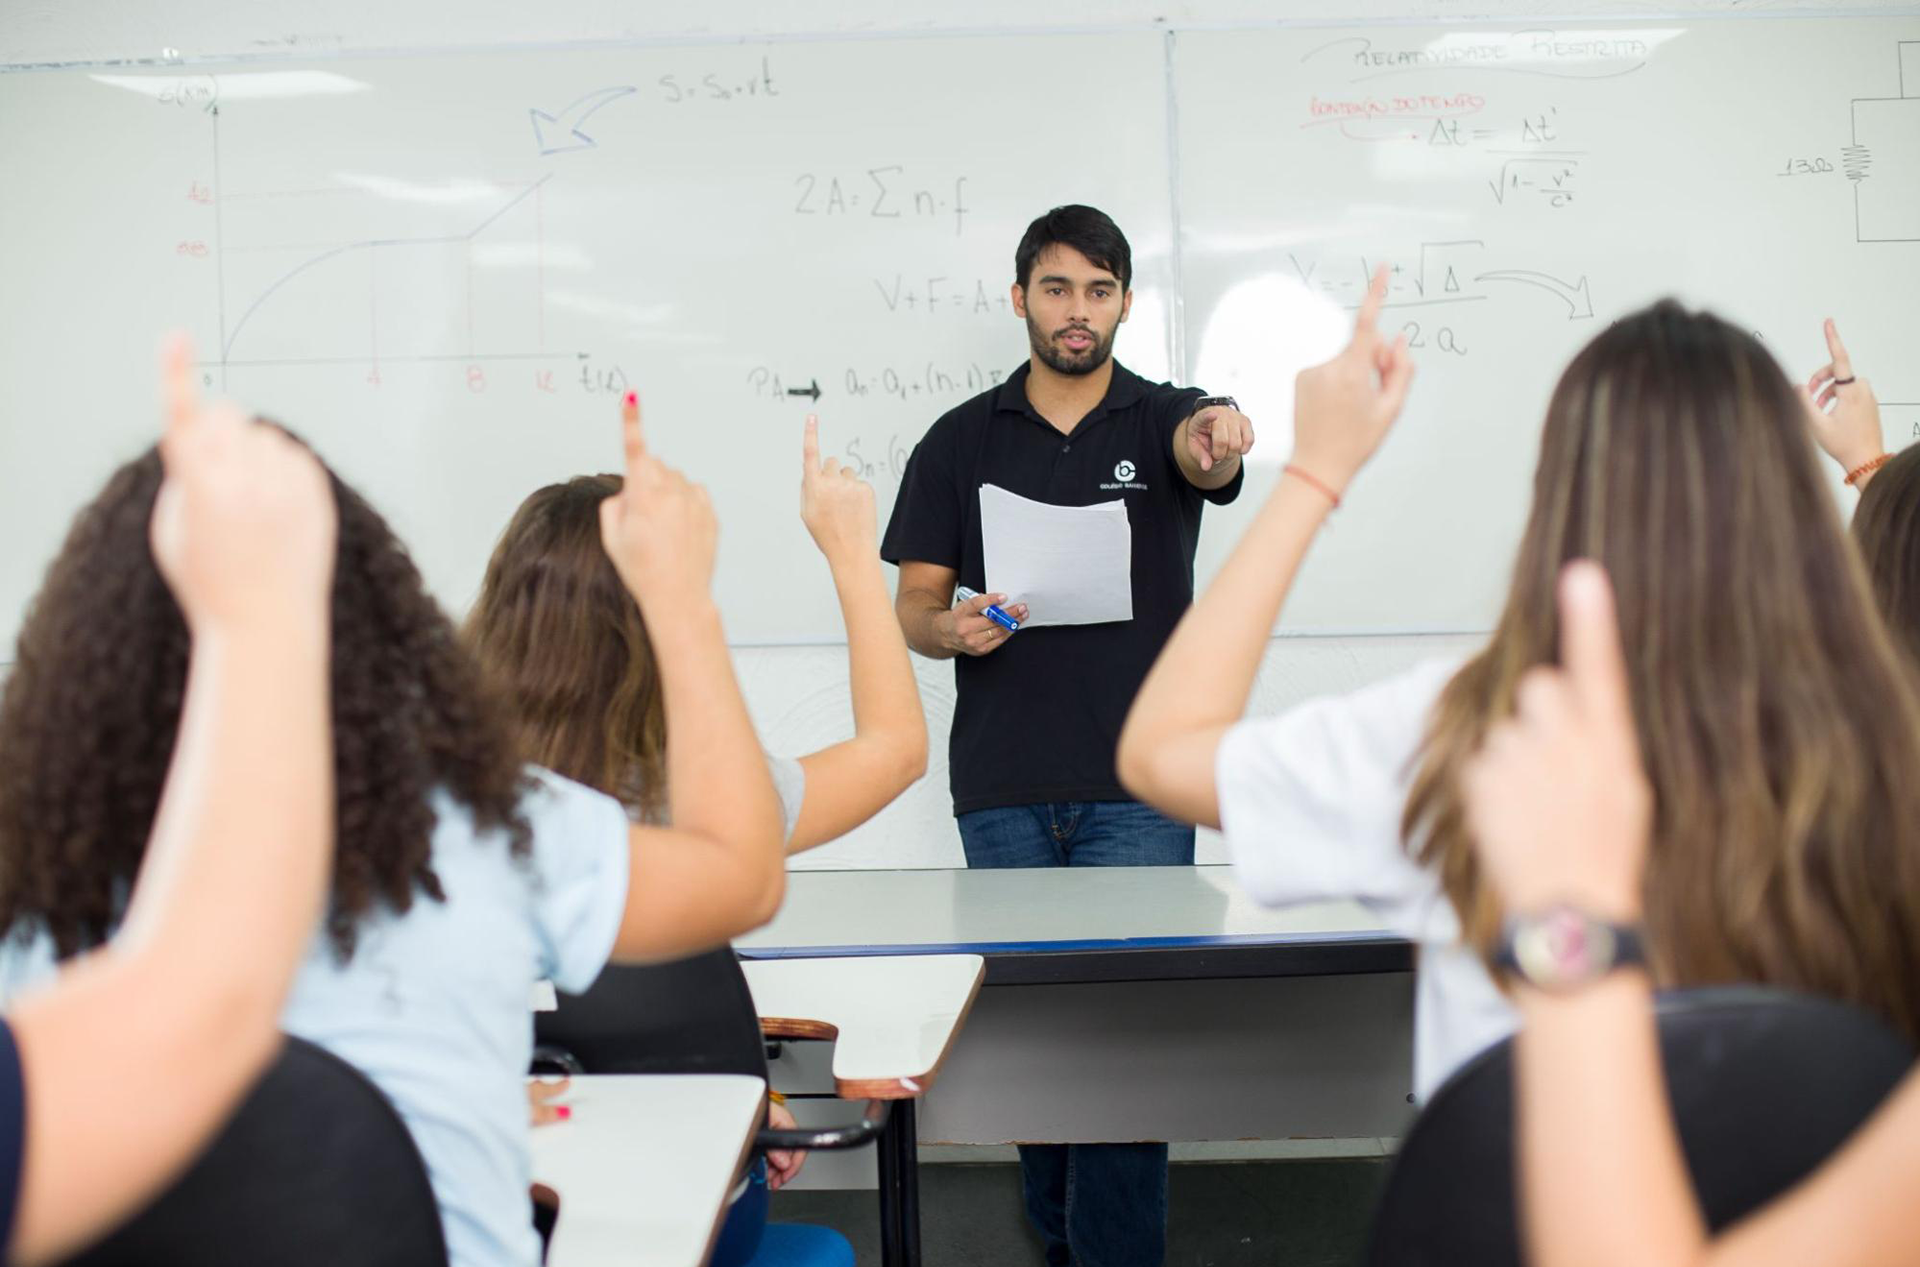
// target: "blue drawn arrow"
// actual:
[[558, 133], [1573, 294]]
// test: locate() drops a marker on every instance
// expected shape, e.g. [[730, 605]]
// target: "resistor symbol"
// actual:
[[1855, 160]]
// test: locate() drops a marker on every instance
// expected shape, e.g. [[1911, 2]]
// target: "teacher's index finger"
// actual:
[[810, 443]]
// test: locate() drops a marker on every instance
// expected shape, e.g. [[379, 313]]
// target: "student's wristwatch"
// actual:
[[1563, 948], [1210, 402]]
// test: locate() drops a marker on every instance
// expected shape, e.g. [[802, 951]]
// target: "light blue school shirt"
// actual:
[[433, 1006]]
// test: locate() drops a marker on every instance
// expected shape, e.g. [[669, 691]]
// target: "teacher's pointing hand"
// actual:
[[1218, 434]]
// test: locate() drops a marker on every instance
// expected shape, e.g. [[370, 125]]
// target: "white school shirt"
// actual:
[[1310, 805], [432, 1007]]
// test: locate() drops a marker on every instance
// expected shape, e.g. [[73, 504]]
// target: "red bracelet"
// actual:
[[1314, 482], [1865, 469]]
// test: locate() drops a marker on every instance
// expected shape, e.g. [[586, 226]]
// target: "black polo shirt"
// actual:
[[1039, 718]]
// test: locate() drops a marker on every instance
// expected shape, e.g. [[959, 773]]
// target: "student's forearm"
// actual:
[[851, 781], [1603, 1181], [886, 696], [1204, 674], [1597, 1139], [191, 988], [717, 779], [243, 837]]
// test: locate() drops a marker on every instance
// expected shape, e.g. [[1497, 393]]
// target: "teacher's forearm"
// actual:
[[919, 611]]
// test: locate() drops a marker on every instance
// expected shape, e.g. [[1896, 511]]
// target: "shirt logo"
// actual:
[[1124, 477]]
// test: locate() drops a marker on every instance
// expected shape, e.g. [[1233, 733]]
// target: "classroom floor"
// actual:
[[1221, 1214]]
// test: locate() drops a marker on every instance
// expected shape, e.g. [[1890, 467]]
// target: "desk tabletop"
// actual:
[[1075, 924], [892, 1018], [645, 1166]]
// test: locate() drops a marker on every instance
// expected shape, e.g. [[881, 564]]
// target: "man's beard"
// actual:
[[1060, 360]]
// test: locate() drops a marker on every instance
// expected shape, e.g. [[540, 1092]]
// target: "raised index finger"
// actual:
[[1590, 641], [810, 443], [634, 443], [177, 388], [1842, 366], [1370, 306]]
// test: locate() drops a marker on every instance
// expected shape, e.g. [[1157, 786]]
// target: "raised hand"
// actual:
[[1841, 409], [1342, 408], [835, 504], [244, 526], [1557, 796], [1218, 433], [659, 529]]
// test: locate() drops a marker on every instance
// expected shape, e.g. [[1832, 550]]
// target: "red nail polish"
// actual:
[[563, 1112], [633, 397]]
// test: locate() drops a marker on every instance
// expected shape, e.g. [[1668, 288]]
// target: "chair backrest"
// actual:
[[695, 1015], [314, 1169], [1765, 1084]]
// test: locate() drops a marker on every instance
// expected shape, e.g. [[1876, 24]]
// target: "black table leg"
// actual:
[[909, 1137], [900, 1188]]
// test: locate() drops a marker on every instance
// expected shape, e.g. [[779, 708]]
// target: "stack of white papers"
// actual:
[[1071, 565]]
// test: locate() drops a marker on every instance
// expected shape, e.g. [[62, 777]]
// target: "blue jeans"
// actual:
[[1095, 1205], [747, 1240]]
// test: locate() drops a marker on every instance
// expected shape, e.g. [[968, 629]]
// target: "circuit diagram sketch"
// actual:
[[1882, 161]]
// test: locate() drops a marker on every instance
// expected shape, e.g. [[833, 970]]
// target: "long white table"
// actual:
[[1075, 924], [1132, 1002], [645, 1165]]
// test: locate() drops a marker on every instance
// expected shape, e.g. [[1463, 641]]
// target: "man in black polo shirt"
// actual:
[[1038, 712]]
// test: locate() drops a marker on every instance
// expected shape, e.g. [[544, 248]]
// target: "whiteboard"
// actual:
[[1526, 185], [445, 270]]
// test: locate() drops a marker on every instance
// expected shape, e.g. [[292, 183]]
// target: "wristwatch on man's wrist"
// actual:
[[1211, 402], [1563, 948]]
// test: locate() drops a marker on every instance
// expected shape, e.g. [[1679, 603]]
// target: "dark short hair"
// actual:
[[1087, 230]]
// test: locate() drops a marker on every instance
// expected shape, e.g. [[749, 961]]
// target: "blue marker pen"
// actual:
[[994, 614]]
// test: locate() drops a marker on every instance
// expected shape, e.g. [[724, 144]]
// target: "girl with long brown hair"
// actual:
[[1602, 1178], [1780, 723], [460, 875], [566, 644]]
